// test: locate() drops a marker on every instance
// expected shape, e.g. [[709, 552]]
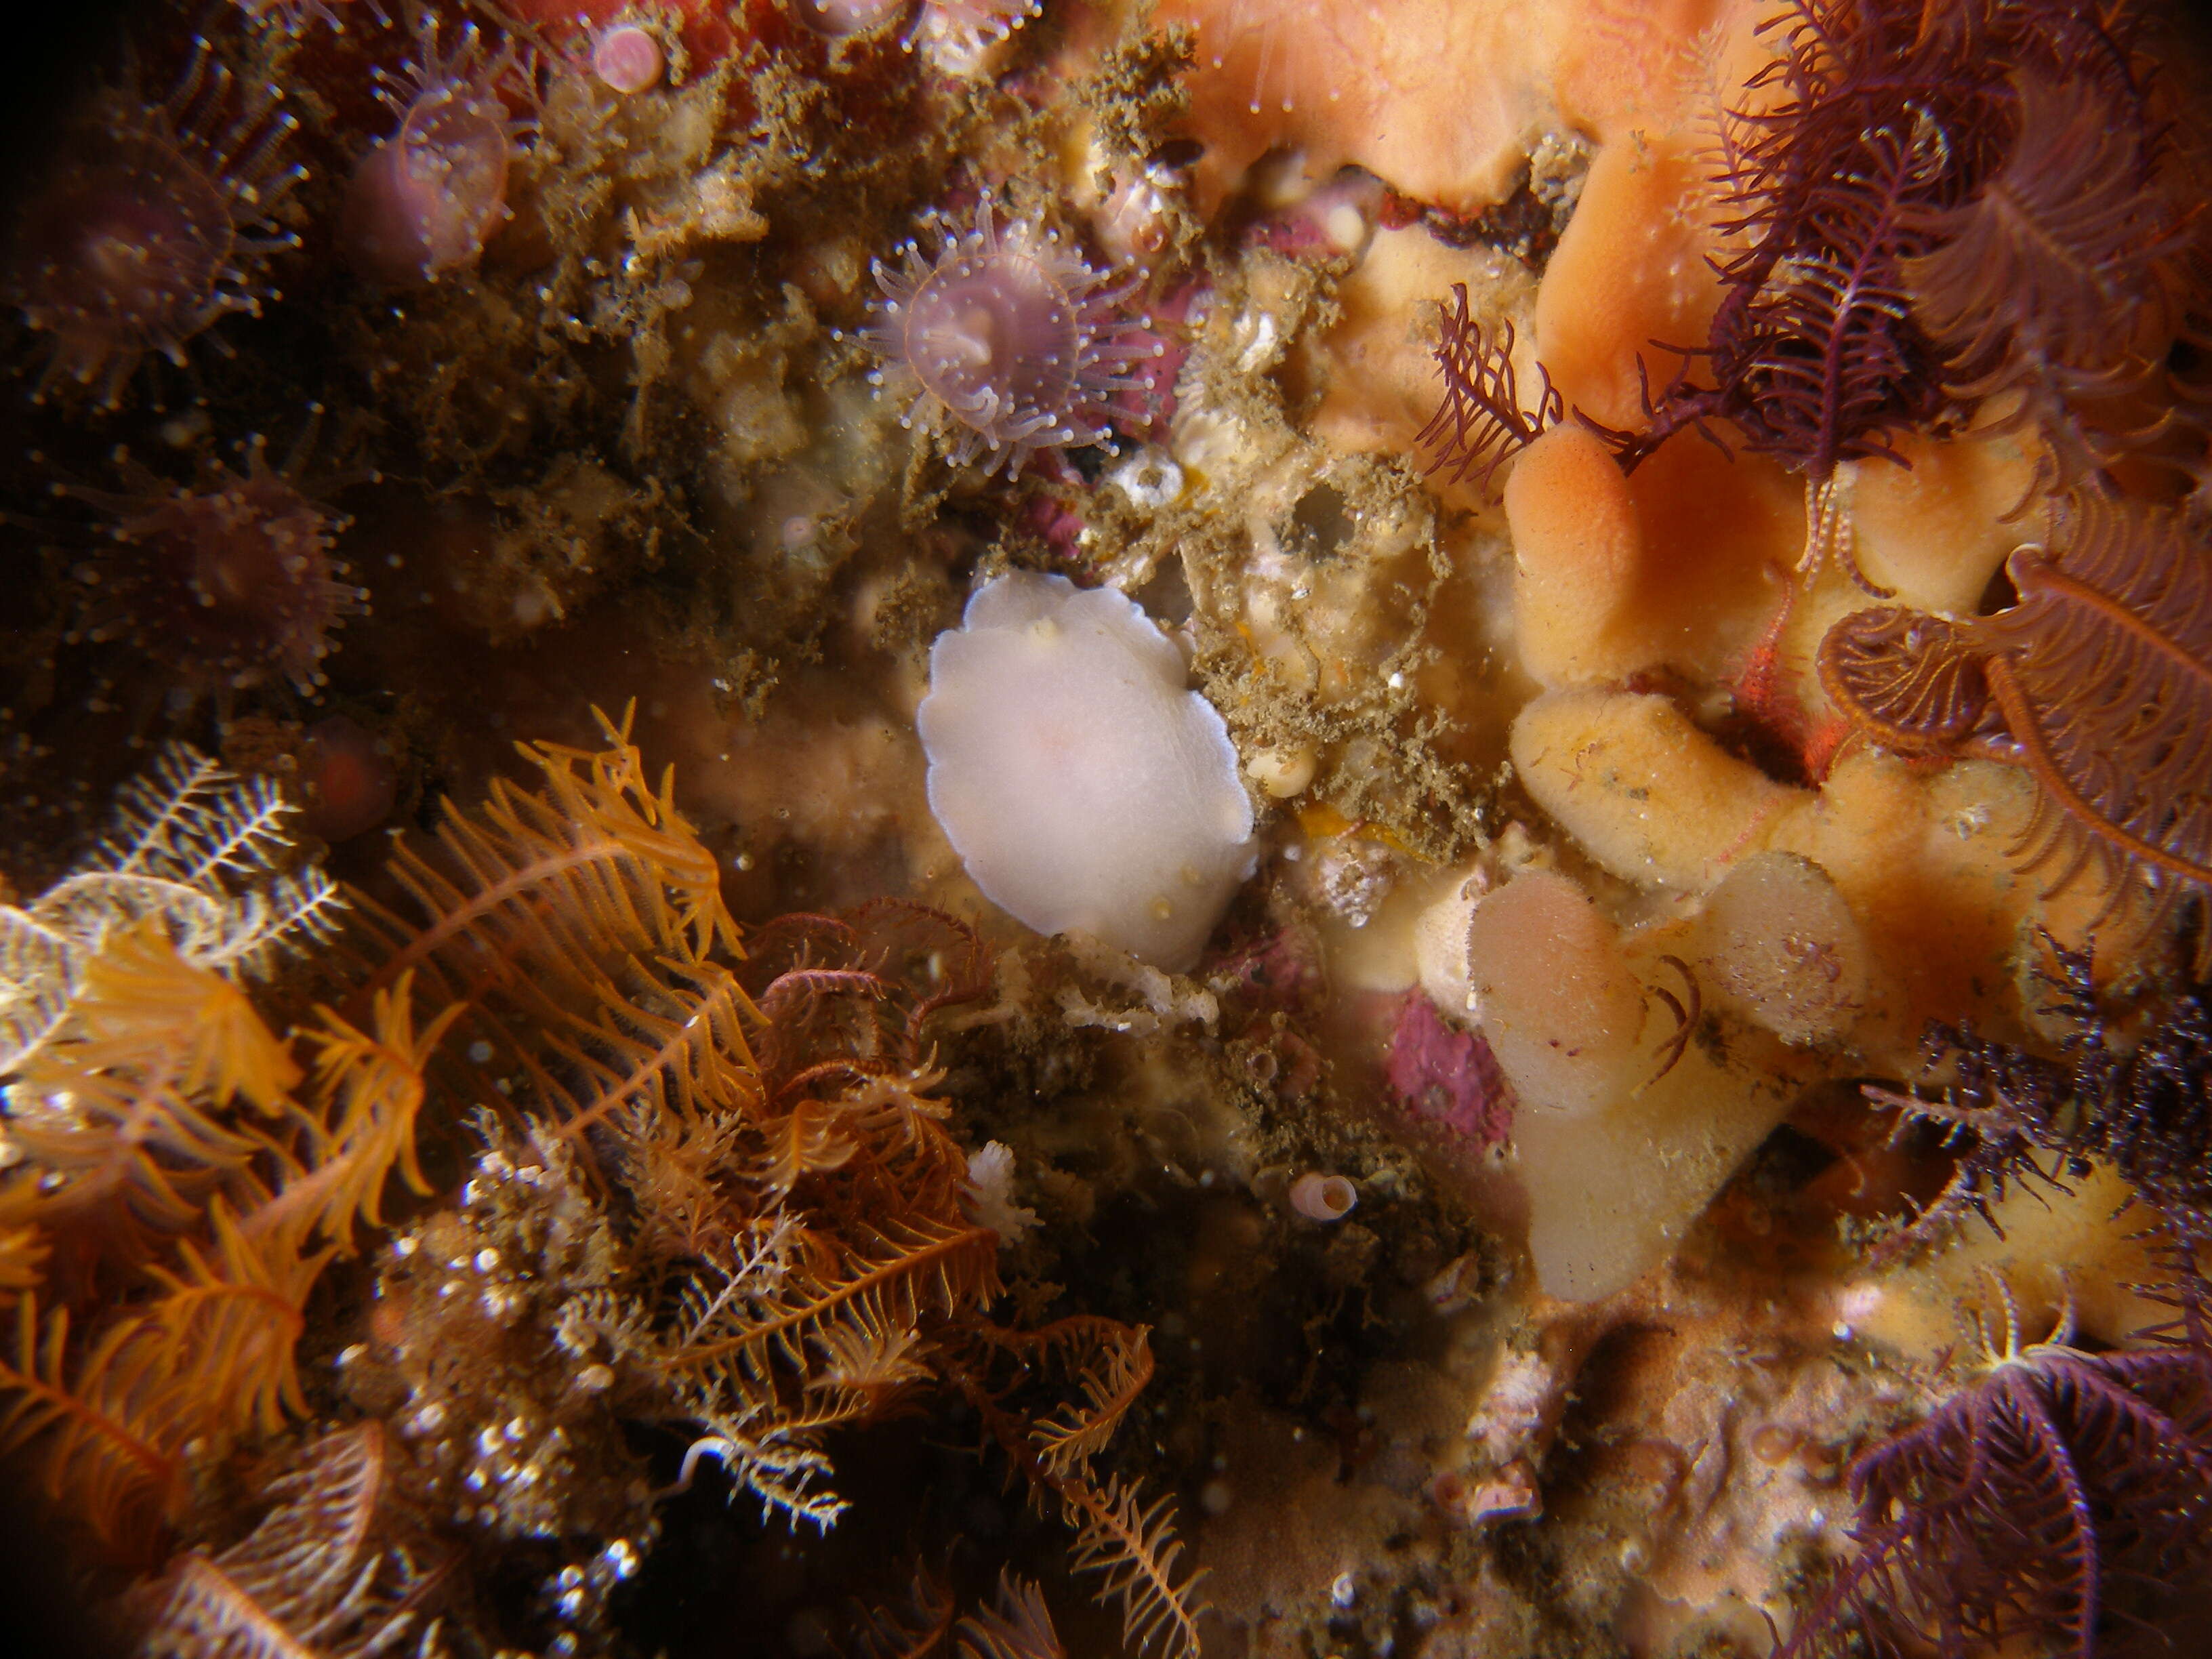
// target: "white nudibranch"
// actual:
[[1085, 787]]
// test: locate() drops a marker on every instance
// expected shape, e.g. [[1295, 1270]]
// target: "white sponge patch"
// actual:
[[1084, 786]]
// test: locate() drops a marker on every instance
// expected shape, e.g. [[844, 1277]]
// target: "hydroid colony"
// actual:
[[726, 1202]]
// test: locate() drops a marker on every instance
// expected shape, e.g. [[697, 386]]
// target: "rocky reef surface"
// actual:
[[1002, 827]]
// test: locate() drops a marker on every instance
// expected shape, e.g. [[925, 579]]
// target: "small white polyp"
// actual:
[[1085, 787]]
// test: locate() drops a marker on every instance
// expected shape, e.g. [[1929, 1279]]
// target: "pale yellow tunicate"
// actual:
[[1922, 858], [1632, 267], [2084, 1246], [1625, 1127], [1440, 936], [1560, 1008], [1611, 1195], [1935, 531], [1781, 947], [1646, 793], [1578, 550]]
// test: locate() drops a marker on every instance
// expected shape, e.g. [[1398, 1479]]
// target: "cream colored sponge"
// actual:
[[1085, 787]]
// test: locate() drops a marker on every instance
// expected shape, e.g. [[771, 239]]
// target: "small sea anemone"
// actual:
[[955, 35], [839, 18], [698, 33], [141, 238], [1244, 39], [425, 200], [231, 583], [295, 16], [1011, 333]]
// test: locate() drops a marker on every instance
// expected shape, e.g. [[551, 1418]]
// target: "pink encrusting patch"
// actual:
[[1447, 1076], [1147, 409], [348, 778], [1054, 522]]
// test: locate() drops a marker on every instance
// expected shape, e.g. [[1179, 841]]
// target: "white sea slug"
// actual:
[[1084, 786]]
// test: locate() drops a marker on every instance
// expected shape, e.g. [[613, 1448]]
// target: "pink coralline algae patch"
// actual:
[[1008, 340], [347, 779], [1054, 522], [1446, 1076], [1280, 970], [1147, 409]]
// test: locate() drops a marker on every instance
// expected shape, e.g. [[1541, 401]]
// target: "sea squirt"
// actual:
[[1085, 789]]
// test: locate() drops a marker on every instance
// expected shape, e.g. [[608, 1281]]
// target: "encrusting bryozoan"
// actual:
[[1084, 785]]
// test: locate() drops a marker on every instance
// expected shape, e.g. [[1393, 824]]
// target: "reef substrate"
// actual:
[[1592, 618]]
